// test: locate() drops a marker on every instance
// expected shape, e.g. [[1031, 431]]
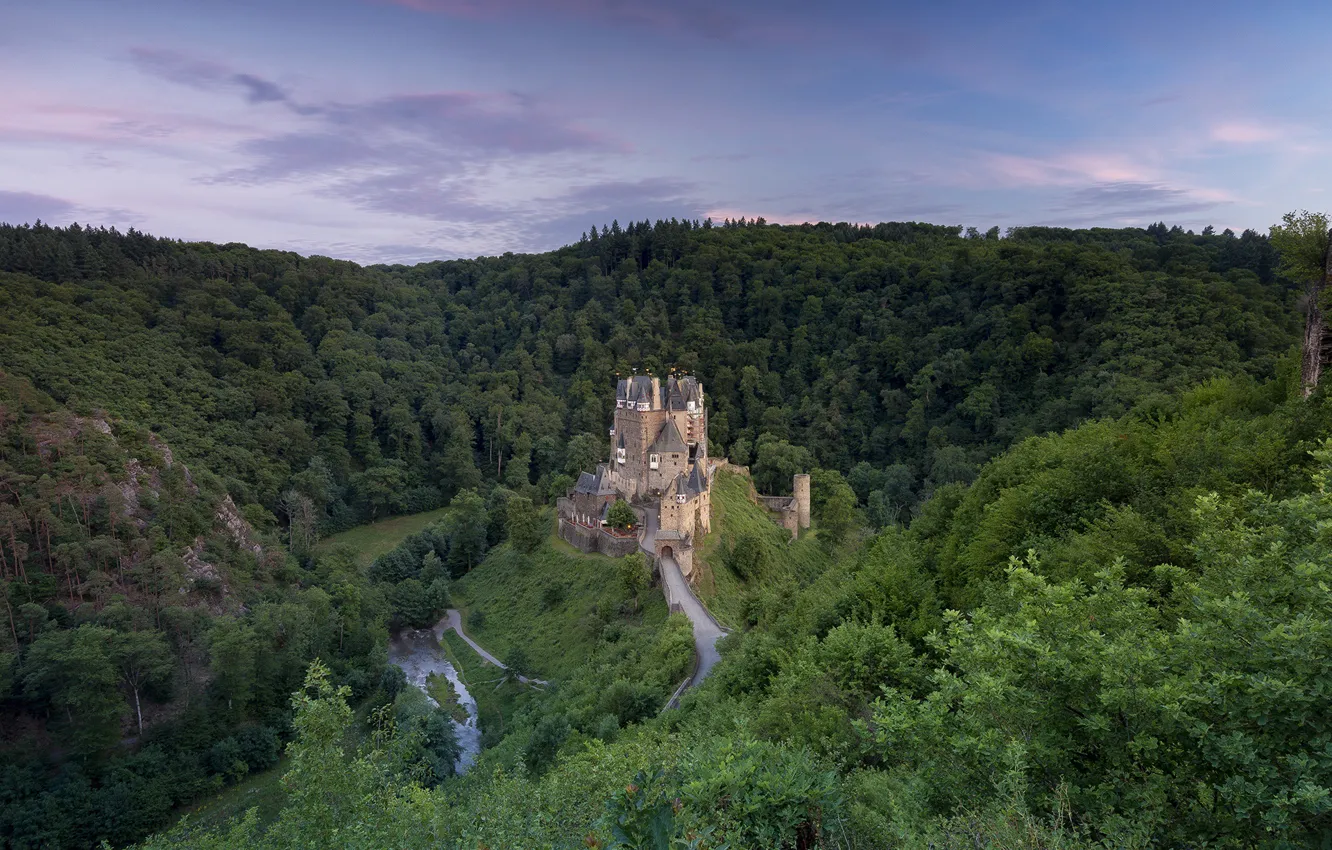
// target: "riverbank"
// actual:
[[418, 654]]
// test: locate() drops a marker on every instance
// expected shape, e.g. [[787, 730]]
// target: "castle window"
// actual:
[[680, 498], [643, 405], [691, 406], [654, 460], [619, 455], [619, 402], [612, 432]]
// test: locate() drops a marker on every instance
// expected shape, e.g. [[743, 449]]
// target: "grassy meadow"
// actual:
[[735, 515], [378, 538]]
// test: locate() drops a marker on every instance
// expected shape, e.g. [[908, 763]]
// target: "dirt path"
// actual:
[[453, 620]]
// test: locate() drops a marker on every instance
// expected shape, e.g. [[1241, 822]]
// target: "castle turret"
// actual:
[[801, 488]]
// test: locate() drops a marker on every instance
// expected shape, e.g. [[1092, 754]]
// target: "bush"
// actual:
[[518, 662], [422, 499], [552, 595], [545, 742], [620, 515]]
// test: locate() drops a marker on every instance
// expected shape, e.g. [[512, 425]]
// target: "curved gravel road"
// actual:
[[706, 630]]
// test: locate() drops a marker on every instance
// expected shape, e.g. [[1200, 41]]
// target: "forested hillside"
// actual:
[[1141, 631], [151, 638], [909, 348]]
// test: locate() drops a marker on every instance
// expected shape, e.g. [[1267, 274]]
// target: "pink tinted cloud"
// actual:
[[1242, 133], [1063, 170], [54, 116]]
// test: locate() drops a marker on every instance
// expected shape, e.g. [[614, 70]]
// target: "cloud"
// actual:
[[614, 193], [207, 75], [420, 154], [691, 17], [1065, 170], [1244, 133], [1137, 200], [259, 90], [371, 254], [478, 120], [437, 156], [28, 207]]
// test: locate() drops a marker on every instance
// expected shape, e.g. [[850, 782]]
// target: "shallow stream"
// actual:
[[418, 654]]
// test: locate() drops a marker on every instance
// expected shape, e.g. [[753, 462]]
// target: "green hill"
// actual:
[[771, 563]]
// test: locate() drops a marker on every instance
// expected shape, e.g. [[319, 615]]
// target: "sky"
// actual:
[[409, 130]]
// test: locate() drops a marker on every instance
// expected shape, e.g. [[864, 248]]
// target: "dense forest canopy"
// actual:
[[994, 635], [914, 349]]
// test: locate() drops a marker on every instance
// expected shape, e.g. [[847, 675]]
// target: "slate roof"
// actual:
[[698, 481], [691, 389], [595, 483], [635, 389], [587, 483], [668, 440], [690, 485], [675, 393]]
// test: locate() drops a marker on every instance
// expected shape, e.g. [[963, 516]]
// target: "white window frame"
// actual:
[[619, 455], [643, 405], [692, 408], [654, 461]]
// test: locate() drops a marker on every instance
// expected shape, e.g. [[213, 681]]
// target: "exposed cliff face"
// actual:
[[87, 501]]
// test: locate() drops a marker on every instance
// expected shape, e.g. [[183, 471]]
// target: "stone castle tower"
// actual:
[[660, 432]]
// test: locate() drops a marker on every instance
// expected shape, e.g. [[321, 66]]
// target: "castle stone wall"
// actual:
[[580, 537], [596, 540]]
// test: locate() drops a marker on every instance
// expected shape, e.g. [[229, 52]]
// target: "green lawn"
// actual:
[[377, 538], [735, 514], [262, 791], [551, 625]]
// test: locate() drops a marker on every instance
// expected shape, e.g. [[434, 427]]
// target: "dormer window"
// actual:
[[654, 461], [691, 406], [643, 405], [619, 455], [619, 402]]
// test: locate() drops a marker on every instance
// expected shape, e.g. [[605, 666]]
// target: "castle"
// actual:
[[658, 462]]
